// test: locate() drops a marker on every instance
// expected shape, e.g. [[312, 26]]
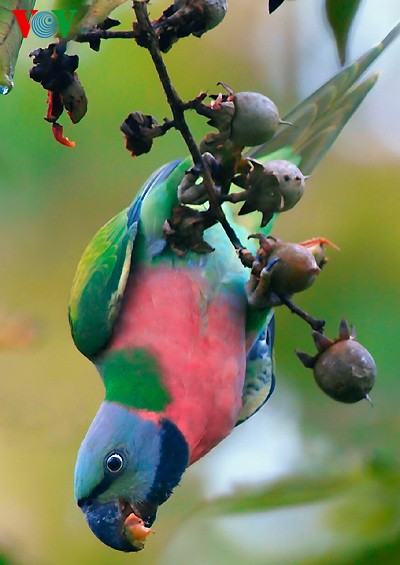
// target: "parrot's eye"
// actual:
[[286, 177], [114, 462]]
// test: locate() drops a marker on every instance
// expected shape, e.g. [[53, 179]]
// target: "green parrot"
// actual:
[[183, 356]]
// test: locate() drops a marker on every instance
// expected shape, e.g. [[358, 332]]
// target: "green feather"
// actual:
[[319, 119], [99, 284], [102, 273], [103, 270], [133, 378]]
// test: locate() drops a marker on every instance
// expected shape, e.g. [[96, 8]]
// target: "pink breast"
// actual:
[[198, 341]]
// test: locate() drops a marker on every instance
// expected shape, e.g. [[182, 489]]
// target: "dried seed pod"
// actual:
[[184, 18], [275, 186], [291, 181], [343, 368]]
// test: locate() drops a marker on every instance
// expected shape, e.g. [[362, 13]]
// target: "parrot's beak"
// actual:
[[117, 525]]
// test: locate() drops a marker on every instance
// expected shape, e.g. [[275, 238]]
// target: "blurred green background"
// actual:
[[339, 502]]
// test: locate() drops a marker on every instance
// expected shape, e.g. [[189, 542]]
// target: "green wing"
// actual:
[[103, 270], [99, 284], [320, 118]]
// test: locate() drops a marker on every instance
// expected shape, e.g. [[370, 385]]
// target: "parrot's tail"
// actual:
[[318, 120]]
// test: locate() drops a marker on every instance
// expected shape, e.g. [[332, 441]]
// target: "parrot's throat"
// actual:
[[132, 377]]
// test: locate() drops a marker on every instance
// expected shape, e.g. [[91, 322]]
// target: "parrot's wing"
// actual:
[[318, 120], [103, 270], [260, 380]]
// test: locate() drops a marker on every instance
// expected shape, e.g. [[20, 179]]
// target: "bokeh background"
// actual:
[[307, 480]]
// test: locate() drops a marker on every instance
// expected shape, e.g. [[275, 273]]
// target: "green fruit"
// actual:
[[256, 119]]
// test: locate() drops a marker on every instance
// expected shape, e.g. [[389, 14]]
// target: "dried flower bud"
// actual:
[[55, 71], [276, 186], [184, 231], [187, 17], [139, 130]]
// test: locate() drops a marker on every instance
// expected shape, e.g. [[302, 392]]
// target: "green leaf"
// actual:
[[291, 491], [98, 11], [274, 4], [79, 6], [340, 14], [10, 40]]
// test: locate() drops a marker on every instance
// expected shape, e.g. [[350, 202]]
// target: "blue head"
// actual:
[[127, 466]]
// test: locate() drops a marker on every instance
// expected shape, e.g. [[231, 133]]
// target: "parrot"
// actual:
[[183, 356]]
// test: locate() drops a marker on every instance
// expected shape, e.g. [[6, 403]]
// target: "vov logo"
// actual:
[[44, 24]]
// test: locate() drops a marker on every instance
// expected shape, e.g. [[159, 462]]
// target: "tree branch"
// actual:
[[103, 34], [178, 108]]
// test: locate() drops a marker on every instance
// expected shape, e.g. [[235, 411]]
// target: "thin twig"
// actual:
[[103, 34], [178, 108], [317, 325]]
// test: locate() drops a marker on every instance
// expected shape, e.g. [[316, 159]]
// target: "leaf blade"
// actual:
[[340, 15], [98, 11], [10, 40], [289, 492]]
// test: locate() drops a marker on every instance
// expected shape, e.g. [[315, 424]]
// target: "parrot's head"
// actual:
[[127, 466]]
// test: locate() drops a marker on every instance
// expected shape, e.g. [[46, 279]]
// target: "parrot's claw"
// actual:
[[270, 265], [246, 257]]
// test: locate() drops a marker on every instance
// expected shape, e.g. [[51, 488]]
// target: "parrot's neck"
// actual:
[[178, 352]]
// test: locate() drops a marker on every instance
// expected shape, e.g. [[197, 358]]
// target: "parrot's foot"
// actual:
[[192, 190], [258, 288], [246, 257]]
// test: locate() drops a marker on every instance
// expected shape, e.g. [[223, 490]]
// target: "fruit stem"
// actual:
[[317, 325]]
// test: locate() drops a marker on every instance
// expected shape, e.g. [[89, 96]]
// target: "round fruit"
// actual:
[[295, 271], [345, 371], [256, 119]]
